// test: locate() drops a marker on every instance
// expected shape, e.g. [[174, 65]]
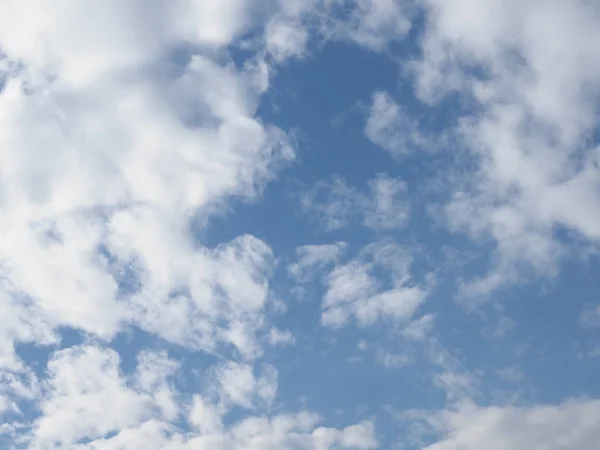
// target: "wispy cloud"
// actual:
[[336, 205]]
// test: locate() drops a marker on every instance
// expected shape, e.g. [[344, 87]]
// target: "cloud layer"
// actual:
[[133, 132]]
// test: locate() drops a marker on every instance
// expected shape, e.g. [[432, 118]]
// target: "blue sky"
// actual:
[[283, 224]]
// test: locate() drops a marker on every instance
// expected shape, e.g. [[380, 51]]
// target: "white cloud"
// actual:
[[286, 432], [111, 155], [113, 147], [18, 383], [391, 128], [418, 329], [154, 375], [285, 39], [355, 290], [313, 258], [569, 425], [231, 288], [535, 107], [348, 283], [455, 384], [85, 298], [236, 384], [84, 383], [371, 23], [359, 436], [113, 144], [281, 338], [113, 34], [216, 22], [336, 205], [21, 323], [205, 417], [457, 381]]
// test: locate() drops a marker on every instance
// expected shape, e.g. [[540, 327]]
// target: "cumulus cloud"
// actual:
[[237, 384], [112, 35], [285, 432], [568, 425], [113, 149], [534, 109], [285, 39], [127, 124], [124, 122], [85, 383], [354, 290]]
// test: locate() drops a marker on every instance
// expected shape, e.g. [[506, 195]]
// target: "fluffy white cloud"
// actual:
[[227, 285], [126, 124], [84, 384], [285, 39], [572, 424], [86, 41], [112, 148], [376, 285], [154, 375], [115, 143], [285, 432], [206, 418], [236, 384], [281, 338], [534, 110], [355, 290], [88, 399]]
